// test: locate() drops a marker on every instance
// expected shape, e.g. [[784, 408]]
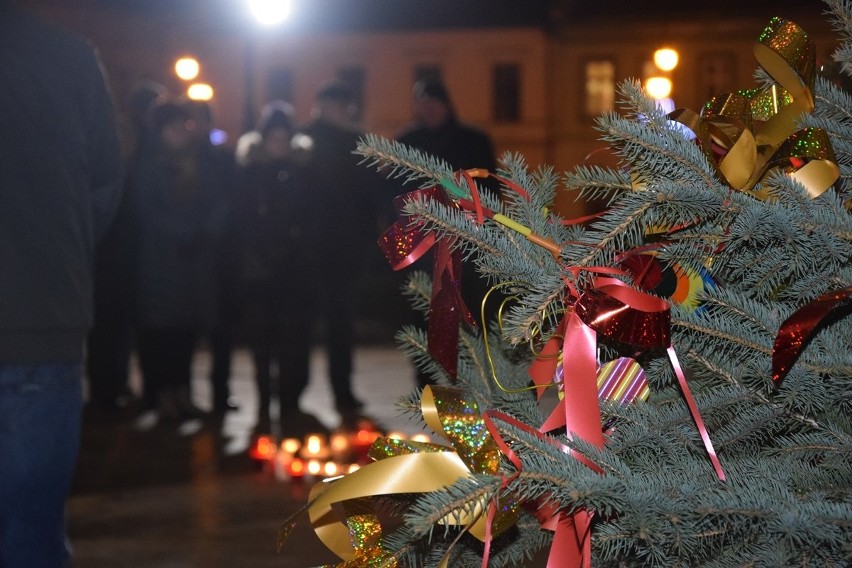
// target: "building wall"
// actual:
[[552, 127]]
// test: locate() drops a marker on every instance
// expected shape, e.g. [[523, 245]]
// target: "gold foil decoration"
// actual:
[[756, 129], [402, 467]]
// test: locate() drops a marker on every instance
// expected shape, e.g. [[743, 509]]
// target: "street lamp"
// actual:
[[666, 58], [187, 68], [267, 13], [200, 92], [270, 12], [659, 87]]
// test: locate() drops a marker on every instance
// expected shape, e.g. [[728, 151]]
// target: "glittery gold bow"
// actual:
[[411, 467], [754, 131]]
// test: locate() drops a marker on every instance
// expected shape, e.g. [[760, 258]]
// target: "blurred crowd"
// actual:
[[216, 245]]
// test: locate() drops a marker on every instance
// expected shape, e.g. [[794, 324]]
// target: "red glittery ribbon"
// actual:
[[403, 243], [799, 327]]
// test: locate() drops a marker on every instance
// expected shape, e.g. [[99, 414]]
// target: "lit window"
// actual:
[[507, 92], [600, 86]]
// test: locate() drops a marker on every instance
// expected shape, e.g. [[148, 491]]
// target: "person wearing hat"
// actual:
[[338, 230], [437, 131], [270, 218]]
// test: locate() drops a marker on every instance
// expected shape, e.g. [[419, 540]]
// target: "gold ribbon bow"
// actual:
[[755, 130], [410, 467]]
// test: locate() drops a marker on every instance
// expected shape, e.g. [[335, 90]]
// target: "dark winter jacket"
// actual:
[[462, 146], [178, 228], [59, 187], [271, 215], [341, 217]]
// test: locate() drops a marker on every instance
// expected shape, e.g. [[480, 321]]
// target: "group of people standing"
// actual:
[[267, 240], [197, 240], [208, 242]]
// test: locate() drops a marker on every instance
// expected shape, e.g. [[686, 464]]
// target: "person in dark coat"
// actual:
[[110, 342], [339, 228], [271, 212], [179, 213], [60, 184], [222, 337], [437, 130]]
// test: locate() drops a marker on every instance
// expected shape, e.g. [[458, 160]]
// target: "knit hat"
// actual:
[[276, 114]]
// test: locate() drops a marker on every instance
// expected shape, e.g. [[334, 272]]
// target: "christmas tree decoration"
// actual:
[[703, 373]]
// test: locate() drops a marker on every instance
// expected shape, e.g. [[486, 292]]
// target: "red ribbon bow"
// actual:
[[403, 243]]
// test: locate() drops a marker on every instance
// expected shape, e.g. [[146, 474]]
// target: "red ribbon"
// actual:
[[799, 327], [623, 315], [571, 540], [403, 243]]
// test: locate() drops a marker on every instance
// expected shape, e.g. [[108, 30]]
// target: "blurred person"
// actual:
[[437, 130], [271, 212], [338, 230], [221, 337], [59, 187], [179, 212], [110, 342]]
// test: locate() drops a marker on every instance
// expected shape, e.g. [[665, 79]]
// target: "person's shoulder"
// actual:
[[410, 133], [471, 130], [35, 30]]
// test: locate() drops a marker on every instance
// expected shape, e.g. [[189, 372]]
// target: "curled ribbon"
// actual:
[[411, 467], [620, 314], [406, 241], [799, 327], [755, 130]]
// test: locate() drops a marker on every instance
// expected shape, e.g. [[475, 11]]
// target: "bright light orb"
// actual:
[[658, 87], [666, 58], [270, 12], [187, 68], [200, 92]]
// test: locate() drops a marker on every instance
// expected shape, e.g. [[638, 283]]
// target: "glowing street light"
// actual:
[[270, 12], [658, 87], [666, 59], [187, 68], [200, 92]]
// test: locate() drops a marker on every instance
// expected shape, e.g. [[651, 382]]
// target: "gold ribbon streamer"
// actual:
[[756, 129], [411, 467]]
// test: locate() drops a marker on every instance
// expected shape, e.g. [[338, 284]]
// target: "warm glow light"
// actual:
[[353, 468], [264, 448], [396, 436], [313, 445], [421, 438], [365, 437], [339, 442], [314, 467], [330, 469], [200, 92], [291, 445], [658, 87], [297, 467], [270, 12], [666, 59], [187, 68]]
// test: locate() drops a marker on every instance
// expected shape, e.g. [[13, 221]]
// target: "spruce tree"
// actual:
[[761, 253]]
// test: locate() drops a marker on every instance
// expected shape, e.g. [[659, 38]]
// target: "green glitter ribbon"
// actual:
[[756, 129]]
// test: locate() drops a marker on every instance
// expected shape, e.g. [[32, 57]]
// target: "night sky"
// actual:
[[340, 15]]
